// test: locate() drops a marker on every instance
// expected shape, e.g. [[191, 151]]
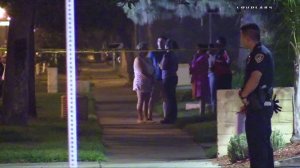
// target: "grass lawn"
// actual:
[[45, 138]]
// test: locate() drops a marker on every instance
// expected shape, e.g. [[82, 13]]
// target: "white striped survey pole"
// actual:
[[71, 84]]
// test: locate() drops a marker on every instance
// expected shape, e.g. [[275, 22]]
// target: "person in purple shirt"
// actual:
[[156, 93], [169, 66], [199, 72]]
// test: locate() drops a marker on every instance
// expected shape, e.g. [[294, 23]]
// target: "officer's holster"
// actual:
[[260, 98]]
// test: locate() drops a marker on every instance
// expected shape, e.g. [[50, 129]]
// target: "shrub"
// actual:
[[211, 152], [277, 140], [238, 147]]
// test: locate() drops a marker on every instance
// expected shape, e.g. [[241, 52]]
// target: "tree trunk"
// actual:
[[31, 65], [19, 79], [295, 18], [296, 132]]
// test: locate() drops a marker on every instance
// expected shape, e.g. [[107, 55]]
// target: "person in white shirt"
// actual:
[[211, 75]]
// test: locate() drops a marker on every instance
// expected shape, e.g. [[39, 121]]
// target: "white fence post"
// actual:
[[52, 79], [71, 84]]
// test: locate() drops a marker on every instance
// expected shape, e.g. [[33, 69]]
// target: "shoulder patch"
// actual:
[[259, 58]]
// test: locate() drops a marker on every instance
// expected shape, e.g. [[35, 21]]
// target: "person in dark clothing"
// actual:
[[169, 66], [156, 93], [222, 66], [256, 95]]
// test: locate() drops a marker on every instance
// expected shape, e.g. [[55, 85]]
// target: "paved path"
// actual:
[[141, 144]]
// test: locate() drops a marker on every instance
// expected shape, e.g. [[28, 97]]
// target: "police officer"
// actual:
[[256, 95]]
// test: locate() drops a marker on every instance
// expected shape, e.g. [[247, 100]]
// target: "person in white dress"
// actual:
[[143, 82]]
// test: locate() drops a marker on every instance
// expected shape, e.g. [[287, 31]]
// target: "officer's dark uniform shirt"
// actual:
[[260, 59]]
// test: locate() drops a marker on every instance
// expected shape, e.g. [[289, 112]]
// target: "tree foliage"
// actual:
[[147, 11], [94, 23], [292, 19]]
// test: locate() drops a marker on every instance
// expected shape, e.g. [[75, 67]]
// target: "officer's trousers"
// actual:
[[169, 89], [258, 132]]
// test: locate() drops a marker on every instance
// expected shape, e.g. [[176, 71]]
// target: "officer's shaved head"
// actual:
[[252, 31]]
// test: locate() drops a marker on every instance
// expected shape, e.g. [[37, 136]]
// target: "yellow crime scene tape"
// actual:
[[58, 51]]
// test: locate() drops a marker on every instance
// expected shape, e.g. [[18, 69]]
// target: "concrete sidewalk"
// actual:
[[161, 164], [139, 145], [50, 165]]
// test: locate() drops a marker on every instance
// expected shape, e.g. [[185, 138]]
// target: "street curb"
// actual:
[[290, 162], [50, 165]]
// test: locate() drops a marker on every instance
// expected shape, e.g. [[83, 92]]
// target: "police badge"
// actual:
[[259, 58]]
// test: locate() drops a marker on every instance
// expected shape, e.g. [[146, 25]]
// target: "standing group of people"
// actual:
[[210, 70], [155, 77]]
